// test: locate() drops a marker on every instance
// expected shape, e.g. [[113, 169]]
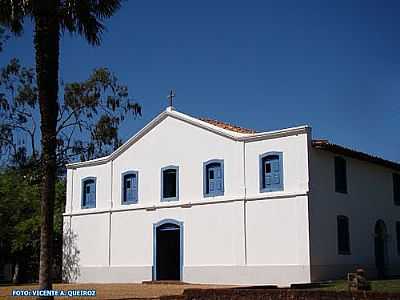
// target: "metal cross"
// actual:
[[171, 97]]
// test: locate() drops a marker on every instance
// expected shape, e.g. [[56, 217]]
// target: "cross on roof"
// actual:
[[171, 97]]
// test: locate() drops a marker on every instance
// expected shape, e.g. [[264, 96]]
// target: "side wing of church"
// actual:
[[202, 201]]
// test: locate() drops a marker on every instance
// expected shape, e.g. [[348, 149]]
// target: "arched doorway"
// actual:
[[380, 248], [168, 250]]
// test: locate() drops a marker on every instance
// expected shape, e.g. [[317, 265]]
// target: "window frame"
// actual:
[[347, 220], [339, 189], [83, 181], [274, 188], [396, 188], [136, 196], [169, 199], [205, 178]]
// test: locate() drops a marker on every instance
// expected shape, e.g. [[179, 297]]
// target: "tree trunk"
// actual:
[[46, 40]]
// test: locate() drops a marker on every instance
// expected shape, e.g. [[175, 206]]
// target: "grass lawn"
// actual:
[[389, 286]]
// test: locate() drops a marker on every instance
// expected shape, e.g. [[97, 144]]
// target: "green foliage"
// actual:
[[95, 107], [3, 38], [20, 220], [90, 114], [83, 17]]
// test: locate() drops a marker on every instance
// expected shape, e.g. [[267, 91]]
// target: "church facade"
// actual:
[[202, 201]]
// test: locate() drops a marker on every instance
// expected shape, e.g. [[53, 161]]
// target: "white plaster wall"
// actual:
[[295, 163], [174, 142], [91, 238], [278, 232], [213, 235], [69, 191], [369, 198]]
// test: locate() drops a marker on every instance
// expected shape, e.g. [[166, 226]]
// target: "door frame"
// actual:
[[155, 227]]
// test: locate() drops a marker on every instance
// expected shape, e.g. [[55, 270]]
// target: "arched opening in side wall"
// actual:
[[168, 252], [381, 259]]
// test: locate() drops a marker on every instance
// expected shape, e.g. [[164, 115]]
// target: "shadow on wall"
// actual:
[[70, 264]]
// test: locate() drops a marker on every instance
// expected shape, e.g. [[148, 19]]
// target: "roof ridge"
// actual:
[[228, 126]]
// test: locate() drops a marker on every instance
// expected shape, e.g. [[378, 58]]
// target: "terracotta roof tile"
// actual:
[[228, 126], [325, 145]]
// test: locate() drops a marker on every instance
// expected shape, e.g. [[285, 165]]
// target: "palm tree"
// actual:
[[51, 18]]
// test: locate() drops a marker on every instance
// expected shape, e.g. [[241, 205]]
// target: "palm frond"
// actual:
[[13, 13], [85, 17]]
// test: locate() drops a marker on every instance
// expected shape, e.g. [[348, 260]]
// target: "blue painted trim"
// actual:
[[167, 199], [276, 187], [83, 191], [205, 178], [155, 226], [123, 202]]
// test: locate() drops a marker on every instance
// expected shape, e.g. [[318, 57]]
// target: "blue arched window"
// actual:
[[170, 183], [271, 172], [89, 192], [130, 181], [213, 178]]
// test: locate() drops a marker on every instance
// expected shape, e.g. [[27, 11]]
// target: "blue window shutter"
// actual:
[[84, 195], [213, 178], [93, 194], [129, 187], [275, 170], [88, 192], [267, 174], [218, 178], [134, 188], [271, 172]]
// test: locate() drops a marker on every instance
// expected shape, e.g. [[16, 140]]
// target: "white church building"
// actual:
[[202, 201]]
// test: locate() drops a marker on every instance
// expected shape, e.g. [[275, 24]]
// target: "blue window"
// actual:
[[130, 187], [343, 235], [213, 178], [398, 236], [170, 183], [89, 192], [396, 188], [271, 172], [340, 175]]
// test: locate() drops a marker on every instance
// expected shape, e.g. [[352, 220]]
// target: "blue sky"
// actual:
[[334, 65]]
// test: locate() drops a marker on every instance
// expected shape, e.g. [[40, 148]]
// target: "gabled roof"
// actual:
[[223, 129], [228, 126], [325, 145]]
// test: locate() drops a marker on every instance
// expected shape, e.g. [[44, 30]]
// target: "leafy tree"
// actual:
[[87, 127], [20, 220], [52, 17], [90, 113]]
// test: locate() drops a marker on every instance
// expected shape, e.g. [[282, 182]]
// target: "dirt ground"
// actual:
[[109, 291]]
